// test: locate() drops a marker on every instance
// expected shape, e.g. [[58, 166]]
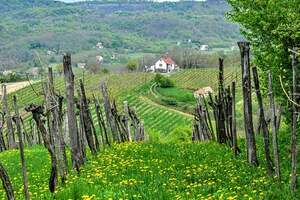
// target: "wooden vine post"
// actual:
[[2, 143], [6, 183], [234, 133], [11, 136], [72, 122], [220, 104], [295, 109], [248, 120], [101, 122], [264, 124], [87, 121], [275, 127], [21, 148], [126, 120], [108, 112], [57, 135]]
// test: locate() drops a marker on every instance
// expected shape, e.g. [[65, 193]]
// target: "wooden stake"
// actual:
[[234, 133], [21, 147], [248, 120], [295, 98], [72, 122], [274, 128], [11, 136], [263, 122], [86, 120]]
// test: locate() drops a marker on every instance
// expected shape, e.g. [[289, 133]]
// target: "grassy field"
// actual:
[[151, 171]]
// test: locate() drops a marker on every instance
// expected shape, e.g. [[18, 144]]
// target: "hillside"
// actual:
[[48, 28]]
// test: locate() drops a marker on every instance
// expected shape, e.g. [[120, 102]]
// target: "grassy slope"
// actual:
[[152, 171]]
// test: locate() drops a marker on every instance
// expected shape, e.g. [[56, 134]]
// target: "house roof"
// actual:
[[168, 60]]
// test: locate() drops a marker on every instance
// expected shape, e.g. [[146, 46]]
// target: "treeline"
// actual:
[[189, 58]]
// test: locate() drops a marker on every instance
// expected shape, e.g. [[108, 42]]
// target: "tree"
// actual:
[[272, 28], [132, 65]]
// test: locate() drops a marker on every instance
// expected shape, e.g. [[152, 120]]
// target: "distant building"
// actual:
[[204, 47], [7, 72], [81, 65], [203, 92], [99, 59], [34, 71], [49, 53], [164, 65], [99, 45]]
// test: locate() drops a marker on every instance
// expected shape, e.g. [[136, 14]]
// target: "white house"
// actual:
[[81, 65], [99, 45], [203, 92], [99, 59], [164, 65], [204, 47]]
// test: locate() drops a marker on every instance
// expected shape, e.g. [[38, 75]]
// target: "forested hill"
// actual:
[[31, 26]]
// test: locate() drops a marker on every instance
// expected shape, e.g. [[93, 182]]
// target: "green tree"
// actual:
[[132, 65], [272, 28]]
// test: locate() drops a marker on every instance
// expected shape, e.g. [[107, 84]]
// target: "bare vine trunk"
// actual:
[[37, 112], [6, 183]]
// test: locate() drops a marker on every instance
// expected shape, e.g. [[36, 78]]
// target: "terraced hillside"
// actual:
[[197, 78]]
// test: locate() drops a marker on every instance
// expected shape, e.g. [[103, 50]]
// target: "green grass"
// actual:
[[156, 117], [152, 171], [181, 95]]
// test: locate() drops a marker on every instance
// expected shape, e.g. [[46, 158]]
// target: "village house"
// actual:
[[7, 72], [164, 65], [81, 65], [203, 92], [99, 59], [204, 47]]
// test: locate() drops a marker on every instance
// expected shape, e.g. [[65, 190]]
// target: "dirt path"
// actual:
[[156, 95], [12, 87]]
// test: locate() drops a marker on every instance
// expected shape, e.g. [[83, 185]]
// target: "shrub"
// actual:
[[170, 102], [180, 134], [154, 136], [105, 71], [163, 81]]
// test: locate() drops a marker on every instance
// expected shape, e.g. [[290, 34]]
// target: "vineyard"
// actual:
[[198, 78], [126, 171]]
